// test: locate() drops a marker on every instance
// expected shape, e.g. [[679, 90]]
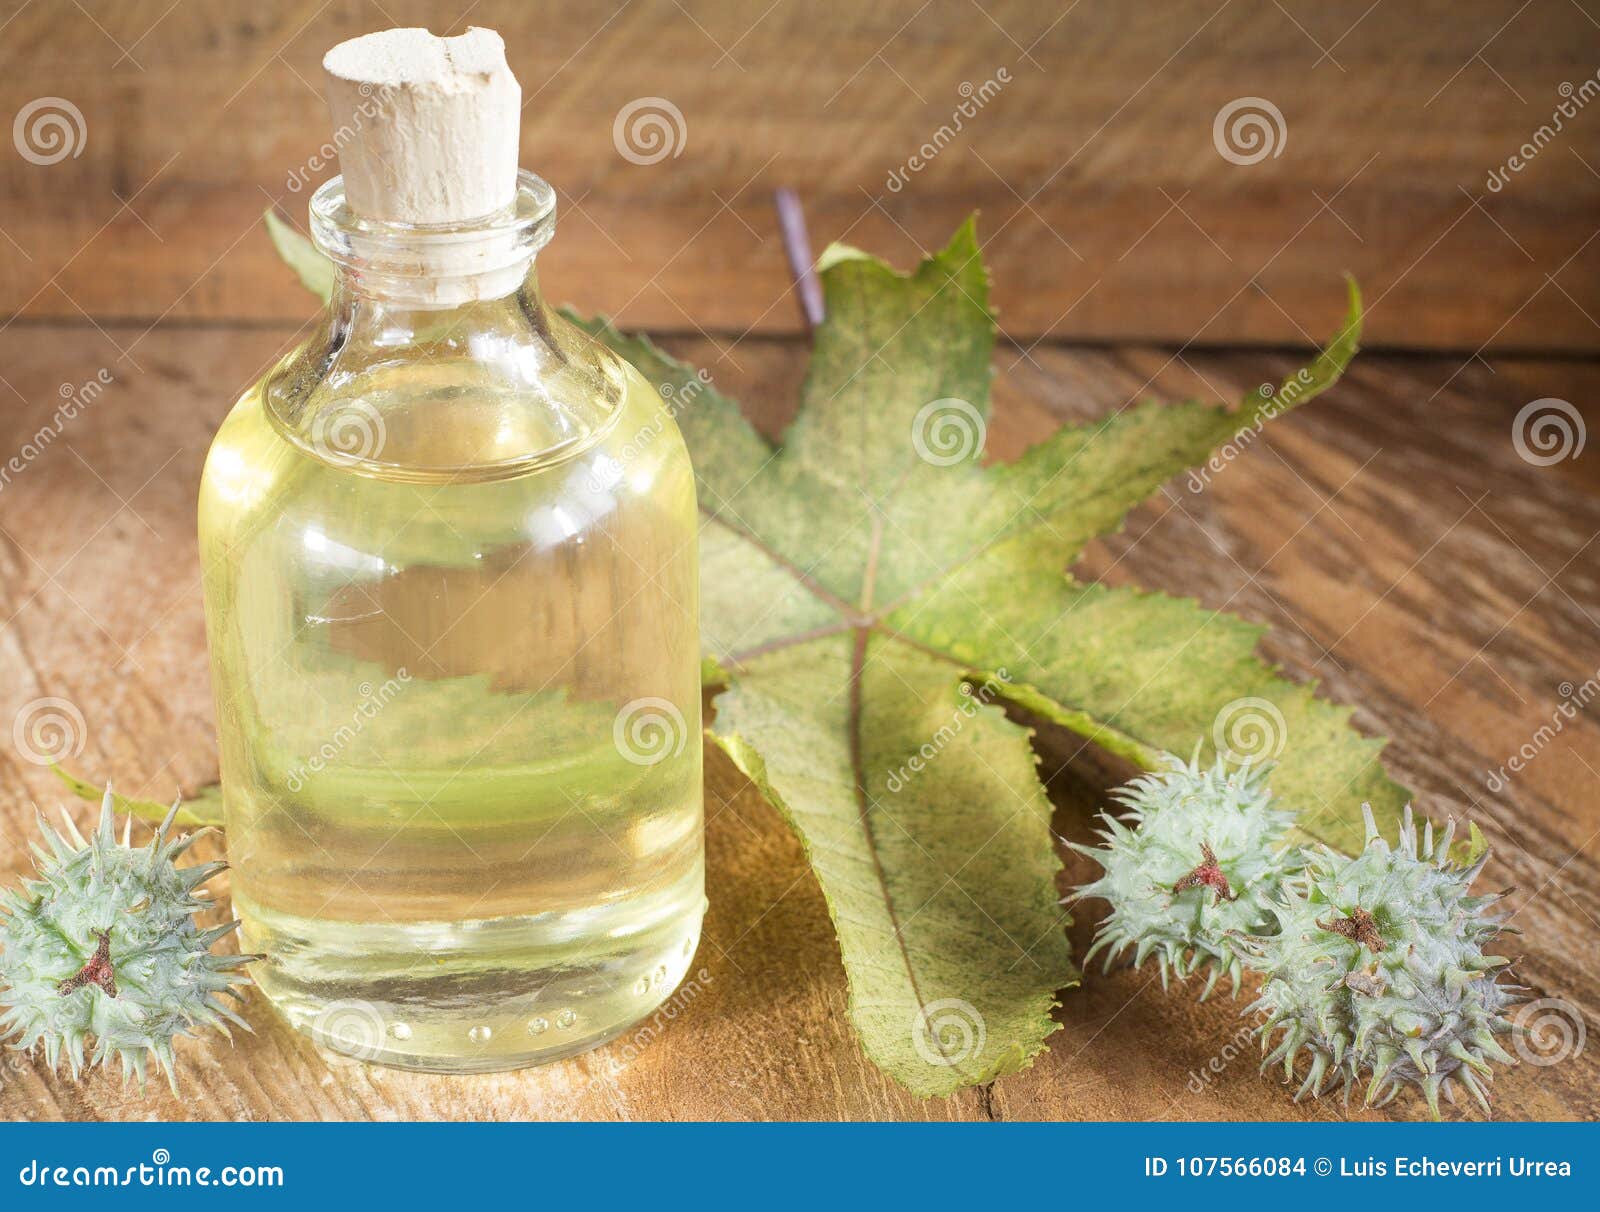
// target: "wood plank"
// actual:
[[1107, 211], [1398, 546]]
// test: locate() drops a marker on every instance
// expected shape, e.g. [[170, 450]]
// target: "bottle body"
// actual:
[[451, 607]]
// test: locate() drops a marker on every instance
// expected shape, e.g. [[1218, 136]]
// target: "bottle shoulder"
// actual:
[[495, 392], [257, 478]]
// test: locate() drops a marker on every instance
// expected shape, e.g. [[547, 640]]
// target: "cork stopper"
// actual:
[[427, 127]]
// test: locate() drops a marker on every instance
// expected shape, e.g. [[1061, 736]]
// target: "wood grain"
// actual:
[[1107, 211], [1401, 550]]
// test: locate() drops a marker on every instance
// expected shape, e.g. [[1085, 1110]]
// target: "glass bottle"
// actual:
[[449, 561]]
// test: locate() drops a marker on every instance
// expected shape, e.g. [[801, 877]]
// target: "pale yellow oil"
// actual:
[[456, 668]]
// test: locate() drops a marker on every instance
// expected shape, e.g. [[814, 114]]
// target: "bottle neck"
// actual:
[[434, 267], [437, 341]]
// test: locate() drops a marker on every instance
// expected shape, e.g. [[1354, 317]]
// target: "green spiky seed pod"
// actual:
[[1377, 972], [1194, 865], [104, 945]]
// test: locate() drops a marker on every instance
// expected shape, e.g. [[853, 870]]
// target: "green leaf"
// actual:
[[313, 269], [940, 877], [202, 809], [871, 593], [1471, 848], [857, 574]]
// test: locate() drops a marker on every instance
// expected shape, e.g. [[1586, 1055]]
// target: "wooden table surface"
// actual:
[[1406, 557]]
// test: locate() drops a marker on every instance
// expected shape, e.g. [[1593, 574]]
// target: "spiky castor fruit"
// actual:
[[1193, 867], [1377, 972], [104, 945]]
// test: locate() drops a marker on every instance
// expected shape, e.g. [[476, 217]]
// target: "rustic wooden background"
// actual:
[[1404, 552], [1108, 212]]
